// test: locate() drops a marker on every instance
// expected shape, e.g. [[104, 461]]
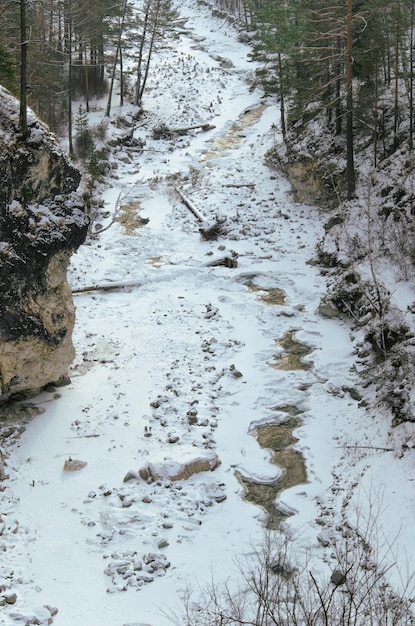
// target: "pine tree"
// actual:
[[84, 143]]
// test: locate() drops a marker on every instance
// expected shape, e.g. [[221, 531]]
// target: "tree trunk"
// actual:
[[411, 77], [114, 67], [23, 70], [376, 117], [122, 87], [282, 100], [350, 173], [338, 91], [150, 51], [140, 57], [86, 82], [70, 134], [396, 103]]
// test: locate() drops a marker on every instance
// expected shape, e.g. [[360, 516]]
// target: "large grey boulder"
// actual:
[[42, 222]]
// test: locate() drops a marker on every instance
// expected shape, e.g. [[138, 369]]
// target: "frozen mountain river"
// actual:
[[208, 396]]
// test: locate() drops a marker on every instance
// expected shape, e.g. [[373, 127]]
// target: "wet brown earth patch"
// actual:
[[272, 296], [129, 218], [155, 261], [293, 355], [234, 136]]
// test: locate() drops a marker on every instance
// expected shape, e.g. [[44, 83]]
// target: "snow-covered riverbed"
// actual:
[[183, 366]]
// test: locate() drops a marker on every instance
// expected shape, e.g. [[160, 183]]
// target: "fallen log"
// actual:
[[183, 131], [165, 132], [190, 205], [250, 185], [367, 448], [108, 286]]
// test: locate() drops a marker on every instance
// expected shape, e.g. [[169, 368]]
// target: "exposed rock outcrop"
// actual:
[[42, 222], [315, 173], [179, 470]]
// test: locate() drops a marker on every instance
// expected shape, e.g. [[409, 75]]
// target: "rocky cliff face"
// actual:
[[42, 222], [314, 167]]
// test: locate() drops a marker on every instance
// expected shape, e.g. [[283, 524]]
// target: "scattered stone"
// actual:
[[131, 475], [235, 373], [131, 571], [220, 498], [281, 569], [353, 393], [73, 465], [338, 578], [328, 310], [50, 388], [63, 381], [336, 220], [325, 538], [163, 543], [192, 416], [230, 262], [173, 438], [41, 615], [10, 598], [53, 610], [3, 474], [167, 525], [175, 470]]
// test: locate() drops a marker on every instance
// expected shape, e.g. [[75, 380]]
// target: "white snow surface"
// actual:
[[173, 341]]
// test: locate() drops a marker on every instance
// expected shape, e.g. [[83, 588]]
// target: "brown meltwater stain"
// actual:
[[129, 218], [294, 352], [279, 438], [272, 295], [233, 136], [155, 261]]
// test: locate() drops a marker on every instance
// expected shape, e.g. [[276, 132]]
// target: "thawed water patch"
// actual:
[[271, 295], [234, 136], [293, 355], [129, 217], [277, 437], [156, 261]]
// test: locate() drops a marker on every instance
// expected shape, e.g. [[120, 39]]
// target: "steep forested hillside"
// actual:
[[343, 74], [53, 52]]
